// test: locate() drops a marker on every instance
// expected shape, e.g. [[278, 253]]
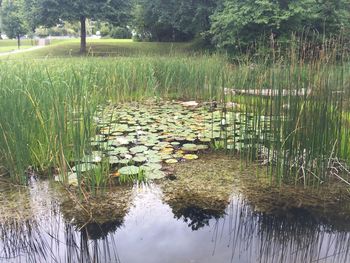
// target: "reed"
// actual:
[[293, 110], [296, 109], [47, 106]]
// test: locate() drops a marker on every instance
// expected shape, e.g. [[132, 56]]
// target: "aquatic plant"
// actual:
[[287, 112], [297, 112], [47, 107]]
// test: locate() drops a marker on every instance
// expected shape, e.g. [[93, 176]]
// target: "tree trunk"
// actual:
[[18, 41], [83, 34]]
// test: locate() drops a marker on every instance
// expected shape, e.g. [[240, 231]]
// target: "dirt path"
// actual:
[[20, 51]]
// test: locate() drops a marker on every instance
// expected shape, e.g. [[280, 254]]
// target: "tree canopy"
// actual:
[[172, 20], [238, 23], [51, 12], [226, 24], [13, 19]]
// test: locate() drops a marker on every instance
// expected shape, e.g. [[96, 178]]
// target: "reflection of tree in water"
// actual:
[[195, 209], [197, 217], [201, 191]]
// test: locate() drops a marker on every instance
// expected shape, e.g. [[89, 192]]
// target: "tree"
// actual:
[[50, 12], [13, 19], [238, 23], [172, 20]]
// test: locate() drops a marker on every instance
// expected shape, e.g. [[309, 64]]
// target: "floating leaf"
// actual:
[[152, 166], [171, 161], [138, 149], [188, 147], [73, 179], [113, 160], [154, 175], [139, 159], [130, 170], [190, 157]]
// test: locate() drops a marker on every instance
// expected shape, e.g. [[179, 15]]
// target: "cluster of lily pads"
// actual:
[[138, 138]]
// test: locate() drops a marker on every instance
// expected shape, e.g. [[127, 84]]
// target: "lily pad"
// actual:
[[113, 160], [139, 159], [189, 147], [171, 161], [155, 175], [130, 170], [190, 156], [73, 179], [152, 166], [138, 149]]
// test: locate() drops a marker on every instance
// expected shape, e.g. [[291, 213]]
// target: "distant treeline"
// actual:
[[221, 24]]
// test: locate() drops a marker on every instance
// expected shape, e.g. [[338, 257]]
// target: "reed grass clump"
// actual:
[[297, 111], [47, 106]]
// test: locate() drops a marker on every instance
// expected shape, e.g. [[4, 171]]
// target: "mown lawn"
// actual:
[[7, 45], [108, 48]]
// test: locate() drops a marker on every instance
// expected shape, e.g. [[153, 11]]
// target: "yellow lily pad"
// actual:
[[171, 161], [190, 156]]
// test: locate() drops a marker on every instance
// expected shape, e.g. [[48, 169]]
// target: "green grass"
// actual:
[[11, 45], [108, 48], [13, 42]]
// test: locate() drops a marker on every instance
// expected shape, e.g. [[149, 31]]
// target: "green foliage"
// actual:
[[57, 31], [117, 32], [13, 18], [52, 12], [174, 20], [239, 23]]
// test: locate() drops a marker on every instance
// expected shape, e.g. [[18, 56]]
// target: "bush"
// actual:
[[120, 33]]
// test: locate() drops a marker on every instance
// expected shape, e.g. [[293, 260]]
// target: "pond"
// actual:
[[205, 214]]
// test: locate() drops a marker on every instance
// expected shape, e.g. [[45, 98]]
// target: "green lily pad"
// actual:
[[139, 159], [121, 150], [154, 175], [138, 149], [130, 170], [124, 161], [154, 159], [202, 147], [171, 161], [113, 160], [152, 166], [188, 147]]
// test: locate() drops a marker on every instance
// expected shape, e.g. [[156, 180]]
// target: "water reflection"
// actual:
[[155, 228]]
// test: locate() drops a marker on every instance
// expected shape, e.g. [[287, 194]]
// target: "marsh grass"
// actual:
[[47, 107], [293, 109], [302, 101]]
